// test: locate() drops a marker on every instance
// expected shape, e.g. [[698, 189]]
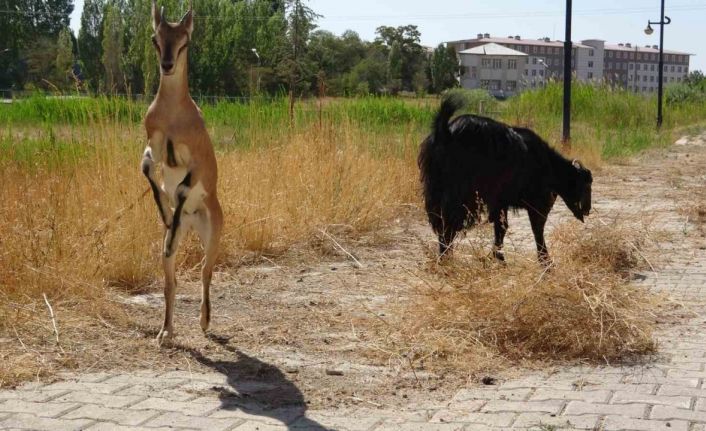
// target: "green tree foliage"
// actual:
[[64, 60], [30, 33], [90, 46], [49, 17], [406, 57], [294, 65], [113, 49], [443, 68], [238, 48]]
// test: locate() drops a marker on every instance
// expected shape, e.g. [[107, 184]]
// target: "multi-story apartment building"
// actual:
[[631, 67], [637, 68], [494, 67]]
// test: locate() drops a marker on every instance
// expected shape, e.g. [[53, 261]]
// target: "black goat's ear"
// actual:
[[577, 164]]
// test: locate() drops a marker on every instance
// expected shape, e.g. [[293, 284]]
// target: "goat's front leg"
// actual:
[[160, 197], [500, 224], [182, 193], [538, 218]]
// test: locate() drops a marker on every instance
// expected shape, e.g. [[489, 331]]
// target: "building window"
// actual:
[[629, 77], [590, 75], [497, 63], [679, 69], [511, 85], [534, 60], [644, 88], [590, 64], [542, 50], [672, 68], [652, 78], [652, 67], [644, 78], [474, 72], [590, 53], [610, 54], [541, 72], [526, 72], [534, 72], [495, 84], [632, 65], [484, 83], [534, 49], [485, 63], [512, 64]]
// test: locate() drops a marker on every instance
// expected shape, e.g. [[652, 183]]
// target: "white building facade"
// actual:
[[625, 65]]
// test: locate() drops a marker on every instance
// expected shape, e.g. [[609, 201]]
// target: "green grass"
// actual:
[[609, 122]]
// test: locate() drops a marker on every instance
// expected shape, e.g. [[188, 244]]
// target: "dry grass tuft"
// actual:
[[476, 315]]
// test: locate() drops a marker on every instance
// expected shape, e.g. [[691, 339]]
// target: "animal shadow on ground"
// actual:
[[258, 388]]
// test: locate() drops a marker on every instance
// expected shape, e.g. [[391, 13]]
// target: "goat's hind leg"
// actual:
[[208, 226], [169, 265], [172, 238]]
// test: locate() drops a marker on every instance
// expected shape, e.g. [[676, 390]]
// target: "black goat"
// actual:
[[476, 163]]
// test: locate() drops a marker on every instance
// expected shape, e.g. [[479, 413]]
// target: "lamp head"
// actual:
[[649, 30]]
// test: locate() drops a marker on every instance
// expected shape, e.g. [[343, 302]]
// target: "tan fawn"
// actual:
[[177, 138]]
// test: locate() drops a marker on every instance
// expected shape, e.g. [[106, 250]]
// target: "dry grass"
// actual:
[[78, 231], [477, 315]]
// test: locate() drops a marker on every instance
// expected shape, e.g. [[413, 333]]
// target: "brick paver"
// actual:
[[667, 394]]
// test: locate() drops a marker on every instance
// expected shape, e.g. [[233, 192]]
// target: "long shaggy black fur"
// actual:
[[474, 164]]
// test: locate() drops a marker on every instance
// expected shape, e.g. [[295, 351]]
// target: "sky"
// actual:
[[439, 21]]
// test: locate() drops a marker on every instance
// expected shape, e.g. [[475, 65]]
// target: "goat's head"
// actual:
[[578, 197], [171, 39]]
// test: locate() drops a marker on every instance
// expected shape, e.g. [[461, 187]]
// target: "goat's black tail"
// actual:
[[449, 105]]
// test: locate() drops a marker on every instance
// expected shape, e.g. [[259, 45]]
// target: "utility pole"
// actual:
[[568, 51]]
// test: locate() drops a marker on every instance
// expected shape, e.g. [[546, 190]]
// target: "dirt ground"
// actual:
[[318, 313]]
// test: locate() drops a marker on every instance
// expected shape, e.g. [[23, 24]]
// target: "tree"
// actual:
[[394, 67], [300, 23], [408, 58], [90, 38], [49, 17], [16, 28], [64, 59], [444, 68], [113, 49]]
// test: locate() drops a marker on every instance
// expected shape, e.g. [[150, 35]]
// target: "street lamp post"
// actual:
[[664, 20], [568, 50]]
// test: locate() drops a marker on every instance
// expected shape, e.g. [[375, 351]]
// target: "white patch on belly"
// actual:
[[172, 178], [194, 200]]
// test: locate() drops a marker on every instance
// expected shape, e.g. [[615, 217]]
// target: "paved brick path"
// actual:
[[667, 394]]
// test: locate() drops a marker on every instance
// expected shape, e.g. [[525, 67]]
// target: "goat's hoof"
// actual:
[[546, 262], [164, 338], [204, 320]]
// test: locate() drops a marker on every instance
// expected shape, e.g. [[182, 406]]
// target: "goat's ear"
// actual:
[[187, 21], [576, 164], [156, 15]]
